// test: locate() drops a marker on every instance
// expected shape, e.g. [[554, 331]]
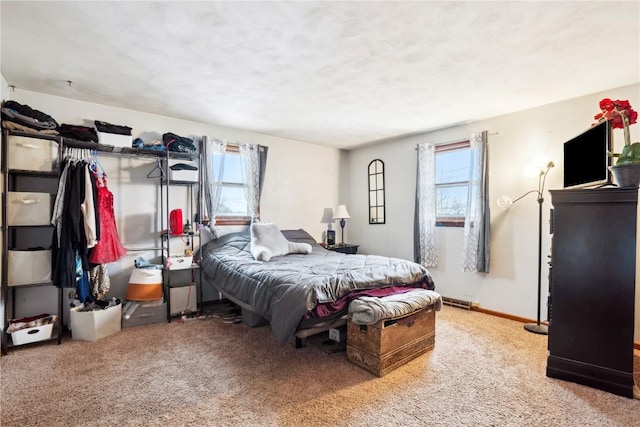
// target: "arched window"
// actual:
[[376, 192]]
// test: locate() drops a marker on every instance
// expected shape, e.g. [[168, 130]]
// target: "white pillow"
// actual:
[[267, 241]]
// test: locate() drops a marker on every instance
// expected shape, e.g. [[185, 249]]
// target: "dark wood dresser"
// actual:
[[592, 287]]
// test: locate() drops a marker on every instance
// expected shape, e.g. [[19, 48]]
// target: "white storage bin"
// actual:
[[179, 262], [35, 334], [28, 208], [183, 298], [93, 325], [183, 174], [115, 139], [26, 267], [33, 154]]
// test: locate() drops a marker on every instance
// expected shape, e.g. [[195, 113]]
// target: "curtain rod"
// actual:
[[456, 141]]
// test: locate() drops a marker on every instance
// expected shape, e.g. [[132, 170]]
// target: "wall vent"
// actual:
[[467, 305]]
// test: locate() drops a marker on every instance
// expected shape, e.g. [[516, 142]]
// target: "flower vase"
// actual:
[[626, 175]]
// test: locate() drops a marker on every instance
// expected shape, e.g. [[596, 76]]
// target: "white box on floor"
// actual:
[[93, 325], [183, 299], [29, 335]]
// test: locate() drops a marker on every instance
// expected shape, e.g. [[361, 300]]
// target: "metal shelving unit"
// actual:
[[21, 237], [166, 183], [8, 293]]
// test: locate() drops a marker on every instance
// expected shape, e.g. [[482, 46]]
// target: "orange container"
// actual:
[[145, 284]]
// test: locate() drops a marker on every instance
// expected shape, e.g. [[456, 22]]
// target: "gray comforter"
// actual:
[[283, 289]]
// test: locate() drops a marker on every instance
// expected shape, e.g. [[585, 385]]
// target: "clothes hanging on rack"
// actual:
[[69, 240], [108, 249], [85, 236], [100, 281]]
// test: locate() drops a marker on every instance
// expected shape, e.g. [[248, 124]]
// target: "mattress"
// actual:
[[285, 288]]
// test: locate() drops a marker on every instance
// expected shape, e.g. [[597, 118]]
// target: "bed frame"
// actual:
[[306, 328]]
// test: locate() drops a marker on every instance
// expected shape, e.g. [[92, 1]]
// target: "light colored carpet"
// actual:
[[484, 371]]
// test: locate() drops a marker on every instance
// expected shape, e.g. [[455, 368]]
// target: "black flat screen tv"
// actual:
[[586, 158]]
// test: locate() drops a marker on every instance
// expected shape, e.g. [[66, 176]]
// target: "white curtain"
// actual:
[[475, 255], [213, 171], [425, 237], [250, 154]]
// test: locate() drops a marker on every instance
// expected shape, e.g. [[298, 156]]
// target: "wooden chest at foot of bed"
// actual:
[[390, 343]]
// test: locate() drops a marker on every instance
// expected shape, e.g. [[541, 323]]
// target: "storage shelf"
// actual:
[[31, 285], [29, 226], [74, 143], [46, 174]]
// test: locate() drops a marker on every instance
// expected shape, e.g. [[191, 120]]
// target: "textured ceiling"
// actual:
[[334, 73]]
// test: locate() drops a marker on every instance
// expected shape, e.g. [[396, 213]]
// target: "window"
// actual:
[[453, 162], [233, 187], [376, 192]]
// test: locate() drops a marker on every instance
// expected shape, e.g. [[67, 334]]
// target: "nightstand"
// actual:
[[345, 248]]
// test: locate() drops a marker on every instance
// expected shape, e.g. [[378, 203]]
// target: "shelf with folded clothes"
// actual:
[[75, 143]]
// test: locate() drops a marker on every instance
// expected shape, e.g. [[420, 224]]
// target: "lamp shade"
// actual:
[[504, 201], [327, 216], [341, 212]]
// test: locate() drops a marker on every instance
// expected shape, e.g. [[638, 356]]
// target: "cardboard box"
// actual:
[[183, 299], [93, 325], [35, 334]]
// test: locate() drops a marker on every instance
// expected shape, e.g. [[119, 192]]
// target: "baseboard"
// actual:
[[636, 345], [505, 315]]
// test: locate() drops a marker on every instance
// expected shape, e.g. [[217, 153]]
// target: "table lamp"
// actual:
[[341, 213]]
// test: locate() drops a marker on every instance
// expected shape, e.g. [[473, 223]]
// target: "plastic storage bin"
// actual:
[[115, 139]]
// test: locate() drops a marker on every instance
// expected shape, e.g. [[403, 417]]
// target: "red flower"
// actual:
[[613, 111], [607, 105]]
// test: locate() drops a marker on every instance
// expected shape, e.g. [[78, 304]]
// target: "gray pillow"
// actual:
[[300, 236]]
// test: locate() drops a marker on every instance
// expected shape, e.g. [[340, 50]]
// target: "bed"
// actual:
[[306, 293]]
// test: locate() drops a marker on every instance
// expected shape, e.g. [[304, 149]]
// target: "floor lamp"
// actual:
[[505, 201]]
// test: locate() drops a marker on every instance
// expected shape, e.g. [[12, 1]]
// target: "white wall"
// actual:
[[301, 180], [511, 285]]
